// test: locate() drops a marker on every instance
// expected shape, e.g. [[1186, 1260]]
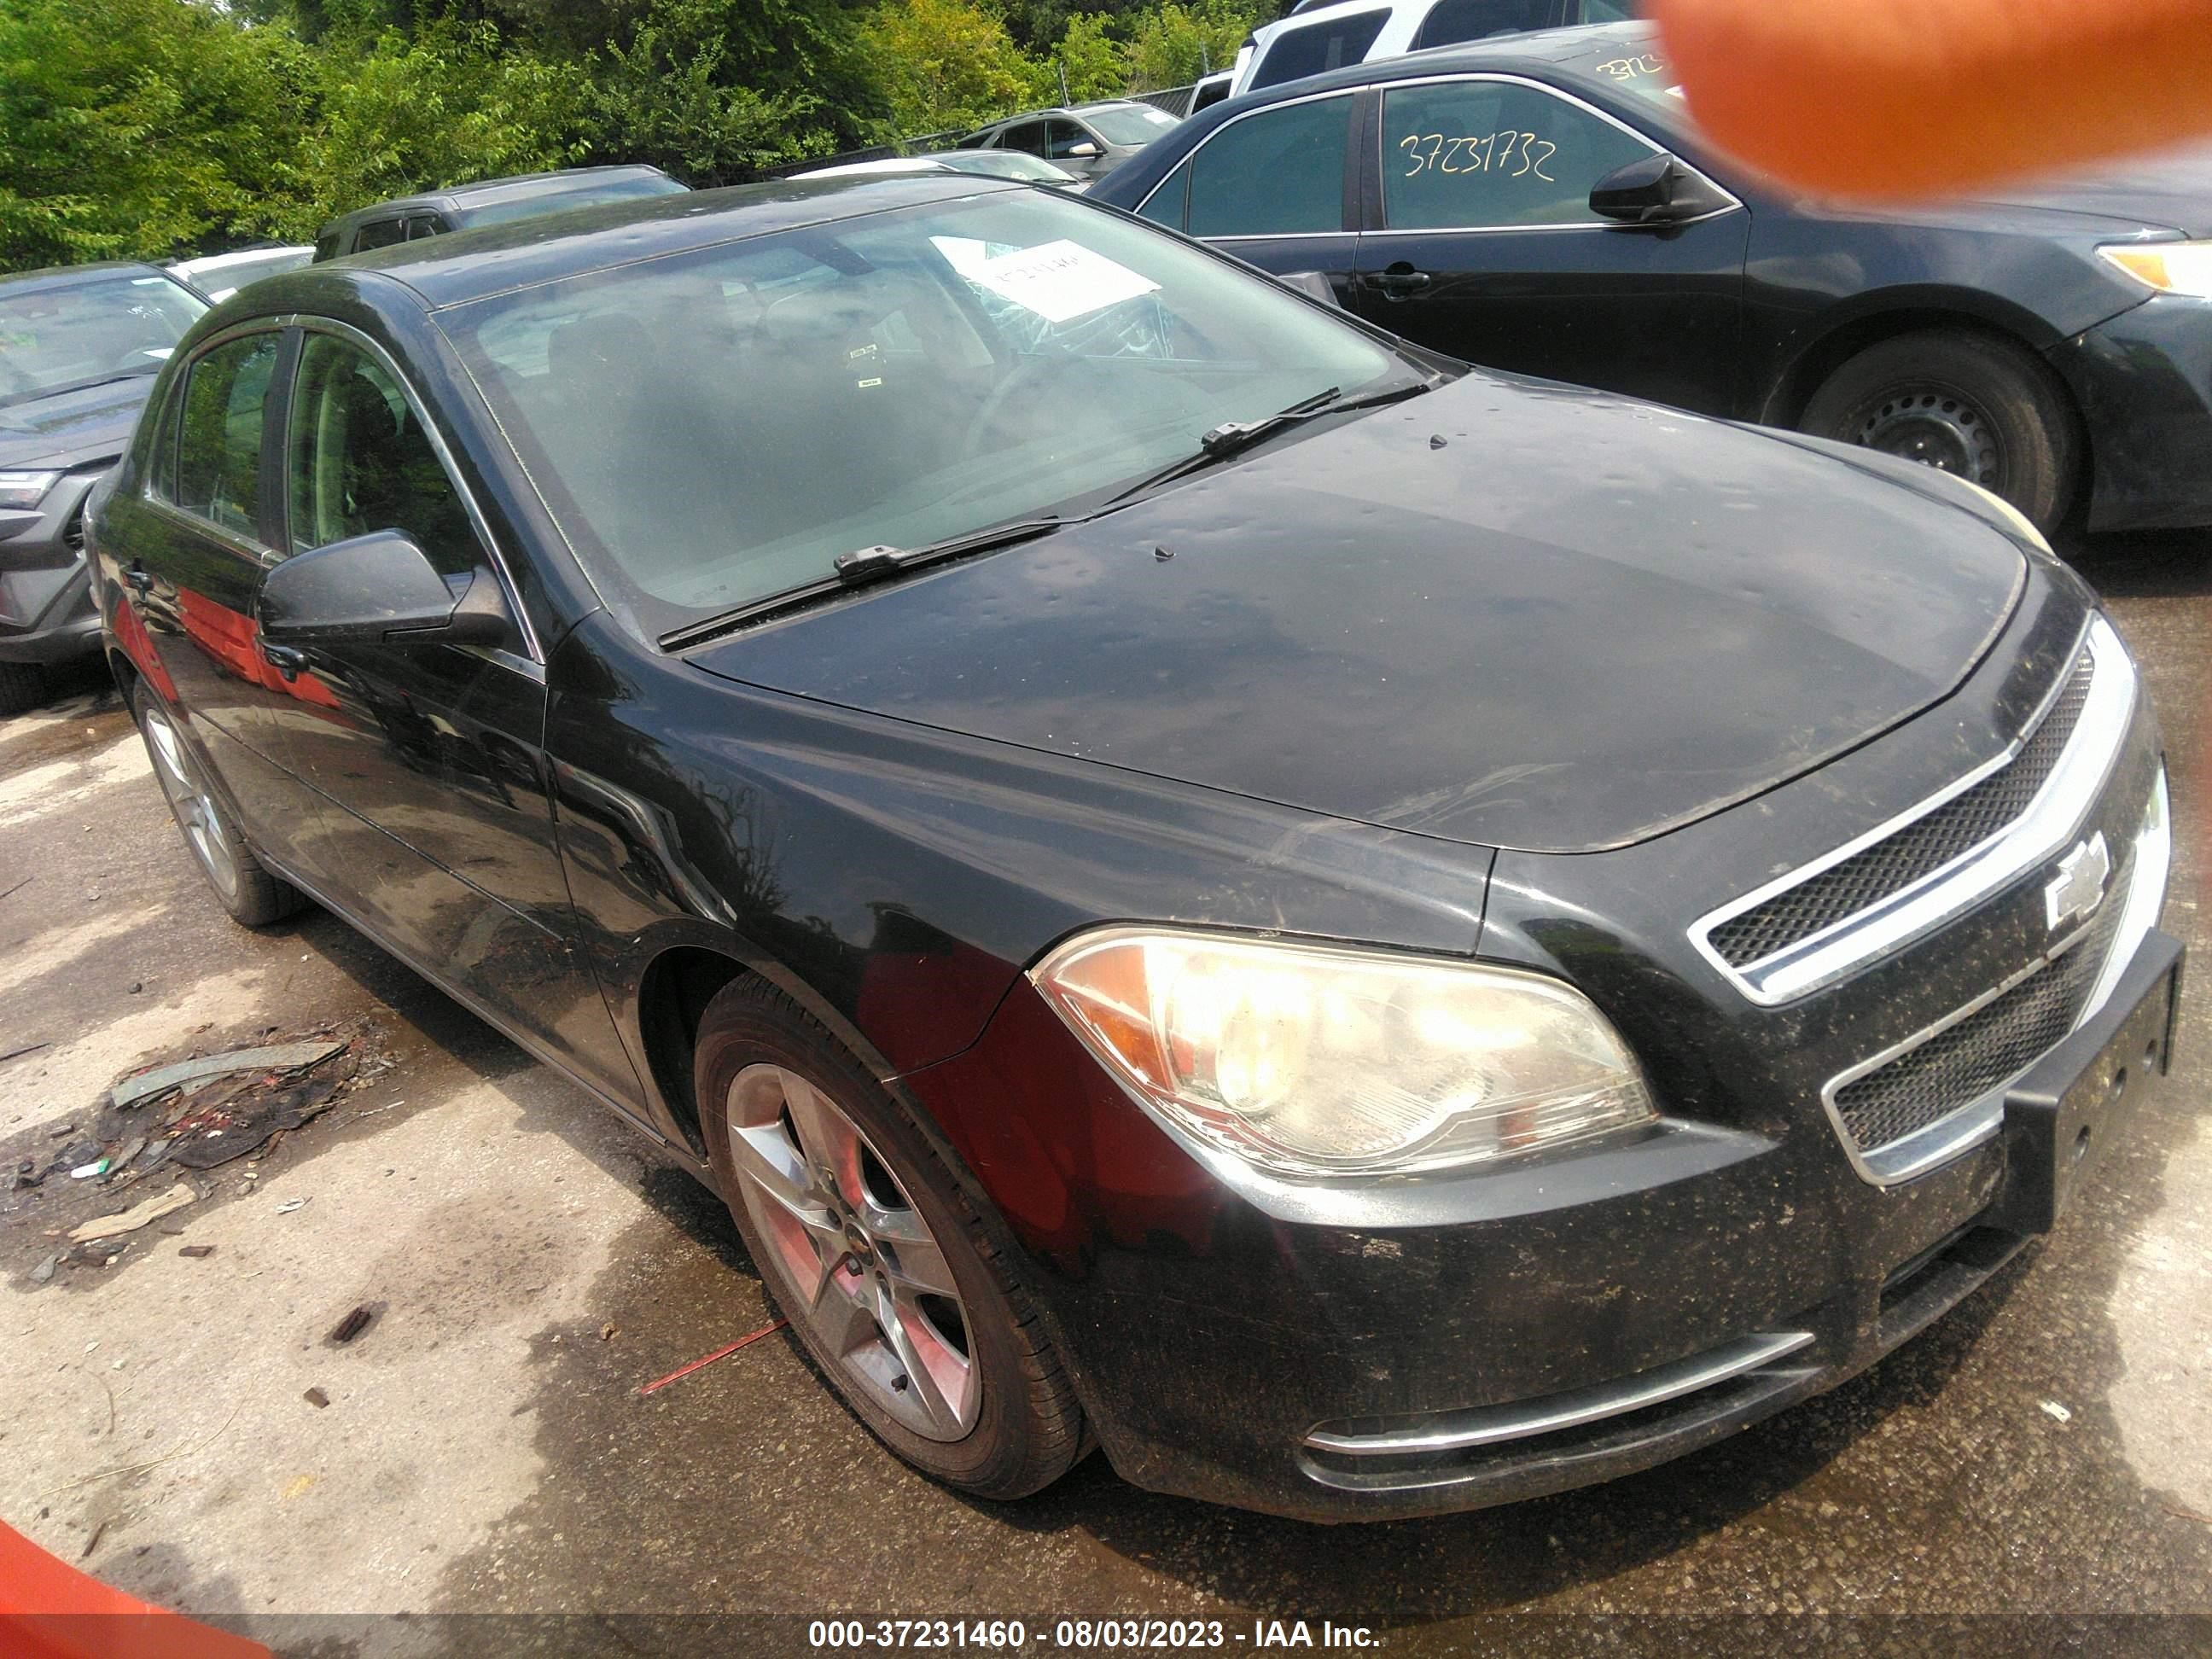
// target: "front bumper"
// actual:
[[46, 610], [1543, 1327], [2144, 384]]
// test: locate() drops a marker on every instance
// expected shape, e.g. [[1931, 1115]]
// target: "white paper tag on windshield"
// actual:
[[1057, 280]]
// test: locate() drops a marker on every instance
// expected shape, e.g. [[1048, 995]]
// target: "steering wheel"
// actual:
[[1031, 366]]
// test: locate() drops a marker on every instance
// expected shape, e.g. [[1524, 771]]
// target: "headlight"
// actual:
[[26, 489], [2169, 267], [1320, 1061]]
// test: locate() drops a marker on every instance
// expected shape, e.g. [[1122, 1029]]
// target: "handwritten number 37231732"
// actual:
[[1493, 152]]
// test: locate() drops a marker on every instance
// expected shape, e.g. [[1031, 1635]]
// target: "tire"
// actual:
[[22, 687], [247, 890], [1973, 405], [965, 1387]]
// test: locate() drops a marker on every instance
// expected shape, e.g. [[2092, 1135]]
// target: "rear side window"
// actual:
[[1468, 154], [378, 232], [1029, 137], [1454, 20], [219, 445], [359, 460], [1280, 172], [1318, 48], [423, 225]]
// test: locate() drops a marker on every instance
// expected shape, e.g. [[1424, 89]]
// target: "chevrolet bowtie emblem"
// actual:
[[2079, 886]]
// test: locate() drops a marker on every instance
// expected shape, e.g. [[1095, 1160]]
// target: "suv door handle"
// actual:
[[1398, 280], [288, 660]]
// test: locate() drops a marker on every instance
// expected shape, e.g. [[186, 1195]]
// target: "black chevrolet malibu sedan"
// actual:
[[1545, 204], [1369, 937]]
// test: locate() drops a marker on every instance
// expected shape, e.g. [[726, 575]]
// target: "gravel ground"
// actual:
[[2045, 1453]]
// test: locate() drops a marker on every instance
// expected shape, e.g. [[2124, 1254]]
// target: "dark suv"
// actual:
[[490, 201], [79, 346]]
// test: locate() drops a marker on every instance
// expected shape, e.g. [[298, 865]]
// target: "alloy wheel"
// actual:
[[858, 1262], [195, 811]]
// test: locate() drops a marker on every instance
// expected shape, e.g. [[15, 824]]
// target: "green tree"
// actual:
[[1096, 65], [1177, 43], [946, 64], [670, 97], [450, 103], [141, 128]]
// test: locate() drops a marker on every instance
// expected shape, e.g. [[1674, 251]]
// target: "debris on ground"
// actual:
[[197, 1251], [723, 1352], [290, 1205], [45, 1270], [283, 1058], [2052, 1408], [138, 1215], [352, 1325], [316, 1398], [198, 1112]]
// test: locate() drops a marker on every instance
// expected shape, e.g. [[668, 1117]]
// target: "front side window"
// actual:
[[1451, 21], [762, 408], [1466, 154], [1164, 206], [378, 232], [358, 460], [1028, 137], [218, 465], [1062, 136], [1280, 172], [423, 225], [1318, 48]]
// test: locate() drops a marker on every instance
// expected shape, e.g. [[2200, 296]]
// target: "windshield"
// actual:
[[560, 201], [717, 426], [1635, 65], [1131, 123], [51, 338]]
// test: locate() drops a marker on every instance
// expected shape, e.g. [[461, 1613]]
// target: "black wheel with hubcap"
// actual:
[[248, 891], [1969, 405], [885, 1266]]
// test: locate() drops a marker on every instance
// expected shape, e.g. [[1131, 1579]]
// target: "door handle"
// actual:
[[288, 660], [140, 577], [1399, 281]]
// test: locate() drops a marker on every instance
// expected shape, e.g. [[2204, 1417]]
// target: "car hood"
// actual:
[[1507, 612], [71, 428], [2173, 191]]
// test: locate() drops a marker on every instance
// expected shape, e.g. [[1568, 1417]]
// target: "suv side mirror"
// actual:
[[370, 587], [1654, 190], [1083, 150]]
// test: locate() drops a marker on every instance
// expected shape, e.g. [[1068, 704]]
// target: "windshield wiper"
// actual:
[[857, 569], [1232, 437]]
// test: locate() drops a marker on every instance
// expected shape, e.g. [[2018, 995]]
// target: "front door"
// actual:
[[1272, 187], [201, 537], [439, 828], [1482, 245]]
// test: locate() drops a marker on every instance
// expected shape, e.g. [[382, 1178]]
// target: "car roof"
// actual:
[[1536, 49], [51, 277], [241, 256], [469, 264], [480, 191]]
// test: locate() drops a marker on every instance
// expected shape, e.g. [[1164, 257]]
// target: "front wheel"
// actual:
[[884, 1266], [247, 890], [1969, 405]]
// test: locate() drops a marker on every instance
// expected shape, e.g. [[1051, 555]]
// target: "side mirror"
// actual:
[[1083, 150], [1314, 284], [369, 587], [1655, 190]]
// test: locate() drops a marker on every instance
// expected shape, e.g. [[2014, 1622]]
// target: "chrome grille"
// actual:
[[1995, 1043], [1921, 848]]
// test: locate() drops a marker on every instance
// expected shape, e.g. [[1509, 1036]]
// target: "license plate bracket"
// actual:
[[2066, 1111]]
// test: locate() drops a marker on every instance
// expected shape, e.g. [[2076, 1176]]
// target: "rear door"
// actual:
[[1275, 187], [439, 828], [1479, 241], [201, 536]]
